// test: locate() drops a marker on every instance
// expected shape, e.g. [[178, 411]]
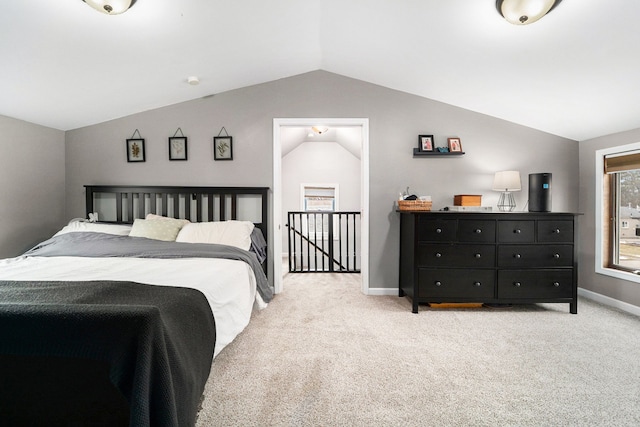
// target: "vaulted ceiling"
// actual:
[[574, 73]]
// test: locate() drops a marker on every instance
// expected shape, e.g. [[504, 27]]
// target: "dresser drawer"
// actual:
[[449, 255], [531, 284], [476, 231], [437, 230], [550, 231], [516, 231], [453, 283], [534, 256]]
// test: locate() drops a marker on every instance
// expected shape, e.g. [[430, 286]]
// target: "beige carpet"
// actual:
[[323, 354]]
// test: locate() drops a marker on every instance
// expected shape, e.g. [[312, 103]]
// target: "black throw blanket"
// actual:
[[158, 341]]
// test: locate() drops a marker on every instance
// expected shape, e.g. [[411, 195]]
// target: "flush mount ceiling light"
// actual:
[[319, 130], [110, 7], [523, 12]]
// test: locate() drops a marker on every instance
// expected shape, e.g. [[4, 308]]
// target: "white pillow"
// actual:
[[154, 229], [84, 226], [232, 233], [180, 222]]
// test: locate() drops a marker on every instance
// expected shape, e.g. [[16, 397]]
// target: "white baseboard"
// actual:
[[383, 291], [611, 302]]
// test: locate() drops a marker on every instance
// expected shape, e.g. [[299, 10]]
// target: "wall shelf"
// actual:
[[418, 153]]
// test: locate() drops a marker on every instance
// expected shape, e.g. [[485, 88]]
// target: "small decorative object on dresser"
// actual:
[[493, 258]]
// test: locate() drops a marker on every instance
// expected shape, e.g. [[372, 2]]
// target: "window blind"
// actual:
[[621, 162]]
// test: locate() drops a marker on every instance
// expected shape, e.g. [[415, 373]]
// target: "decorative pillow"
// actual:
[[85, 226], [232, 233], [181, 222], [154, 229]]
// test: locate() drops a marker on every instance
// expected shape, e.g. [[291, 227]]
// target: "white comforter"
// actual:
[[229, 285]]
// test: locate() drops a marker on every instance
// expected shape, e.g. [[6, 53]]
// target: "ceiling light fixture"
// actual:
[[523, 12], [110, 7], [319, 130]]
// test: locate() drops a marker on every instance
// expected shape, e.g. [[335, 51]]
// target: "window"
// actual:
[[319, 198], [619, 222]]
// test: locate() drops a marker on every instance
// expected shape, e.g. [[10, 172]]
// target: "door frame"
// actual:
[[276, 223]]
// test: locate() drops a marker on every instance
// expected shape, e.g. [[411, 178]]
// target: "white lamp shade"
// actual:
[[110, 7], [507, 181], [522, 12]]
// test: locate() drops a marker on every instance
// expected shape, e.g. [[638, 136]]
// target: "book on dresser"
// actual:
[[491, 258]]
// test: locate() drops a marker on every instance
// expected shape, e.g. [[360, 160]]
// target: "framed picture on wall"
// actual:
[[425, 143], [454, 145], [178, 148], [223, 148], [135, 150]]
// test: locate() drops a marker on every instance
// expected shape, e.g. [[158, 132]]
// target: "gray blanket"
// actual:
[[84, 244]]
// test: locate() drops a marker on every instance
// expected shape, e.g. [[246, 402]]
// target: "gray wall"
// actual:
[[96, 154], [622, 290], [32, 191]]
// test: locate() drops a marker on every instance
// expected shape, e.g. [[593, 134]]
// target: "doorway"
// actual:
[[280, 127]]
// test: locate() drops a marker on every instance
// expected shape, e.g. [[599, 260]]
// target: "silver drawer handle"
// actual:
[[438, 283], [556, 256], [517, 256], [438, 255], [438, 230], [478, 231], [478, 284], [556, 231], [556, 284], [517, 231], [517, 284], [478, 256]]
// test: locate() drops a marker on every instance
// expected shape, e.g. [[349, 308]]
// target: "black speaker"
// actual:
[[539, 192]]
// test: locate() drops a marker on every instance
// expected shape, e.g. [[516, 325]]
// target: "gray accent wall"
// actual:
[[32, 192], [96, 154], [622, 290]]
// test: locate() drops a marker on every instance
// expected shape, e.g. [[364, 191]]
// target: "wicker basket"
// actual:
[[414, 205]]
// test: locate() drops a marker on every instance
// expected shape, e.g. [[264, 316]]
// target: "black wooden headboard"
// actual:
[[197, 204]]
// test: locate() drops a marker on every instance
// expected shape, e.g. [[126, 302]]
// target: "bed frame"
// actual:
[[197, 204]]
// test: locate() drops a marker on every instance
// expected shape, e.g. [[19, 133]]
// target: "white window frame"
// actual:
[[602, 215]]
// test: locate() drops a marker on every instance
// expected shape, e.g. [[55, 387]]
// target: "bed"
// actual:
[[116, 321]]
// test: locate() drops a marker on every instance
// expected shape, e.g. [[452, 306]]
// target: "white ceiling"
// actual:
[[574, 73]]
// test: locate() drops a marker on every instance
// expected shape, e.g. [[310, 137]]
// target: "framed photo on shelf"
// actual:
[[135, 150], [222, 148], [178, 148], [454, 145], [425, 143]]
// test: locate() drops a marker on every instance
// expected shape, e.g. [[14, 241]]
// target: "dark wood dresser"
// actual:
[[496, 258]]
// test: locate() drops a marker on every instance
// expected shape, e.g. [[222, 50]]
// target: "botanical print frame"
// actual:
[[425, 143], [135, 150], [177, 148], [223, 148], [454, 145]]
